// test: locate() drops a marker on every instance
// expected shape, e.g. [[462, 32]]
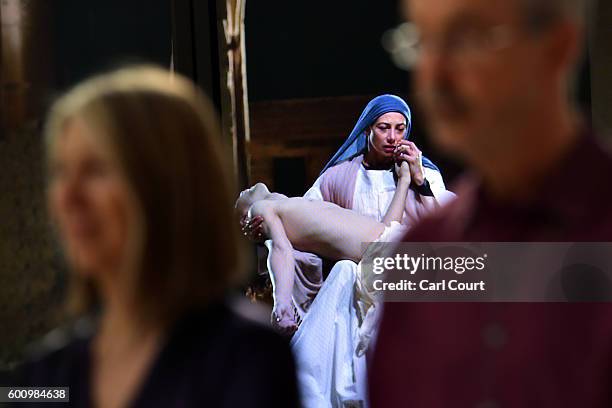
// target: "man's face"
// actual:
[[478, 70]]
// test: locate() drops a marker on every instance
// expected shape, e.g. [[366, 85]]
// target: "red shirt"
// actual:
[[506, 354]]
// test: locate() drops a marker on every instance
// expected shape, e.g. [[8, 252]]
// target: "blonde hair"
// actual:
[[165, 136]]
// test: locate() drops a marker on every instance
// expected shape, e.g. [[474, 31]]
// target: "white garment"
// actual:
[[330, 344], [374, 191], [329, 372], [368, 302]]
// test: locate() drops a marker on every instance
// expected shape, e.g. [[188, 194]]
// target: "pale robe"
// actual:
[[330, 373]]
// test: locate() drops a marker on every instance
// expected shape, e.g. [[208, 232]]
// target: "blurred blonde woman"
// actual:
[[139, 193]]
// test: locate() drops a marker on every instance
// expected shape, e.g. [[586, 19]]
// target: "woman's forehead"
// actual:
[[392, 118], [76, 137]]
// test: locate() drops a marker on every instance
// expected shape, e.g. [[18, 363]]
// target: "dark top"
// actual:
[[212, 358], [506, 354]]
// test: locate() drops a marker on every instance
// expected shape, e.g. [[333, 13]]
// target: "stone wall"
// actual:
[[32, 278]]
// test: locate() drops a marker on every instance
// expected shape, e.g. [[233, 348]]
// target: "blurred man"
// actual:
[[494, 79]]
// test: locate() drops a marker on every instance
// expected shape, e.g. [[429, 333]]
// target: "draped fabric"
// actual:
[[338, 186]]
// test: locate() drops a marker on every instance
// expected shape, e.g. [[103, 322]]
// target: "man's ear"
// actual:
[[564, 46]]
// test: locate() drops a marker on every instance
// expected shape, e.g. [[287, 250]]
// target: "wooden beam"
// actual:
[[313, 120]]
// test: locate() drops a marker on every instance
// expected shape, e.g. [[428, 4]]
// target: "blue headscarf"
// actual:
[[357, 142]]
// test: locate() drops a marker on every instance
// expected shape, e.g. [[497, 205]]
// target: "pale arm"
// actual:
[[281, 264], [395, 211]]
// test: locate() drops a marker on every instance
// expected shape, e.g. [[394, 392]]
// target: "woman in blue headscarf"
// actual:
[[360, 177], [357, 142]]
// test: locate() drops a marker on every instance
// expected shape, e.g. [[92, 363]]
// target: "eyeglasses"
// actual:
[[465, 46]]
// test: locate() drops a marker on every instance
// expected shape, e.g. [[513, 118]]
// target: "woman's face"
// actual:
[[388, 130], [89, 200]]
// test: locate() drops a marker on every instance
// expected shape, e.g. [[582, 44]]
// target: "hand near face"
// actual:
[[407, 151]]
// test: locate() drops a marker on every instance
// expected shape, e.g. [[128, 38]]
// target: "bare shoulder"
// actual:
[[263, 208]]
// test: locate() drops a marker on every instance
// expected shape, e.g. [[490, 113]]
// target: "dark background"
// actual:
[[96, 35], [320, 48]]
